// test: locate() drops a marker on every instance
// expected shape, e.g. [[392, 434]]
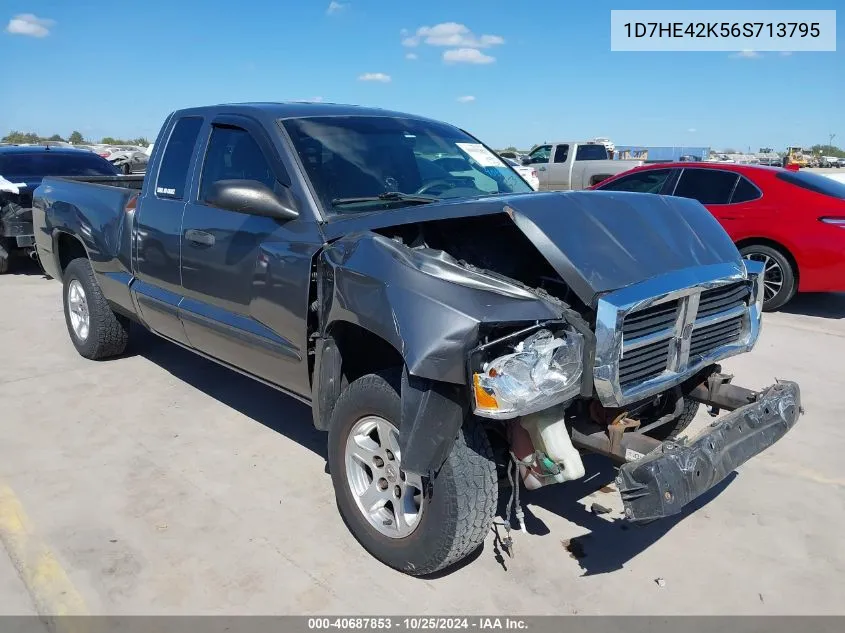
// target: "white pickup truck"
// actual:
[[574, 165]]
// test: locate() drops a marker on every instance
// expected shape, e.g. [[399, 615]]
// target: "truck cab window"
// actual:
[[650, 181], [591, 152], [540, 155], [708, 186], [561, 153], [177, 157], [234, 155]]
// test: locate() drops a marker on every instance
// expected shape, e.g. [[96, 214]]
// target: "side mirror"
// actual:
[[250, 197], [526, 161]]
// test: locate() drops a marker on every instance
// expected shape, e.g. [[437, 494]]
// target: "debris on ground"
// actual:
[[597, 508], [607, 489], [660, 582]]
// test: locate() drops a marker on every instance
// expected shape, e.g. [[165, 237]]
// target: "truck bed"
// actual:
[[124, 182]]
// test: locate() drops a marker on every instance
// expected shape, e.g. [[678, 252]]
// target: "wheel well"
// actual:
[[596, 179], [69, 248], [361, 351], [762, 241]]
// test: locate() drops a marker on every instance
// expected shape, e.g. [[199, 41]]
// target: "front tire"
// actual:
[[95, 330], [778, 276], [416, 525]]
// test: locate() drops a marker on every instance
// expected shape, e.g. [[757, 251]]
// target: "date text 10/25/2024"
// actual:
[[480, 623]]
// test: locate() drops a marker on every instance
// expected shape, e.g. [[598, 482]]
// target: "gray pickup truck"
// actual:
[[448, 327]]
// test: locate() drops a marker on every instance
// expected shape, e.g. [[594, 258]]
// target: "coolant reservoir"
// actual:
[[549, 435]]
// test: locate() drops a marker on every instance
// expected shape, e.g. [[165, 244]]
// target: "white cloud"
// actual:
[[691, 130], [466, 99], [411, 56], [29, 24], [466, 56], [375, 77], [315, 100], [336, 7], [450, 34], [746, 54]]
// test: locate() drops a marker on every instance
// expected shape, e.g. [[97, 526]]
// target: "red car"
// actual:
[[793, 221]]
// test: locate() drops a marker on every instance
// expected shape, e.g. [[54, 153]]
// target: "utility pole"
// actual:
[[830, 140]]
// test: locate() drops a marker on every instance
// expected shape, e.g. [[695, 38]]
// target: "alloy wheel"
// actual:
[[390, 499]]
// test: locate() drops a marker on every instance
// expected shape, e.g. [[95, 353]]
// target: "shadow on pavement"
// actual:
[[606, 548], [609, 543], [829, 305], [265, 405], [23, 265]]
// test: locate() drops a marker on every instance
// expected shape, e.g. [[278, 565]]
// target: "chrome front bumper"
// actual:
[[684, 287]]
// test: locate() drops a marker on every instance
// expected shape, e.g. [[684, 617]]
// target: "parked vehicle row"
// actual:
[[448, 326], [790, 220], [22, 169]]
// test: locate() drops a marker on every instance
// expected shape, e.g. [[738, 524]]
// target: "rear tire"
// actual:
[[106, 333], [457, 506], [4, 256], [778, 278]]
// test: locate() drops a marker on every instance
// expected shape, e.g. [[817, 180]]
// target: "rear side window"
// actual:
[[650, 181], [173, 173], [708, 186], [745, 191], [561, 153], [234, 155], [814, 182], [591, 152]]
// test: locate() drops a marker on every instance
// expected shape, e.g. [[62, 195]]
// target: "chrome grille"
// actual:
[[721, 299], [650, 320], [641, 351], [644, 362], [704, 340]]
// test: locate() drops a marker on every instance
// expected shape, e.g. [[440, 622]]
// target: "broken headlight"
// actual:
[[544, 369]]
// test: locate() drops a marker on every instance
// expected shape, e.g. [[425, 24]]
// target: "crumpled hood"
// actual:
[[597, 241], [603, 241]]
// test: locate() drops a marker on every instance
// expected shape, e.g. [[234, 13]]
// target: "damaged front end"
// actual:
[[569, 323]]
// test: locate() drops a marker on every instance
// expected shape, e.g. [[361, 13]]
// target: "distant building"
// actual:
[[656, 154]]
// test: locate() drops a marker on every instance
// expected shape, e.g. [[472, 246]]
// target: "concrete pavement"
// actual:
[[164, 484]]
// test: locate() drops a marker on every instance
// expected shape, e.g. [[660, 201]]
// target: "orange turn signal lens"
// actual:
[[483, 399]]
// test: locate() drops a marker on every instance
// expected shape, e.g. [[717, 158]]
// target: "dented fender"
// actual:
[[426, 306], [429, 308]]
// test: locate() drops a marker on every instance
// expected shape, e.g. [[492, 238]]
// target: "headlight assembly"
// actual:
[[544, 369]]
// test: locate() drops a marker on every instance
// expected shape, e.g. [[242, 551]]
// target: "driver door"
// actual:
[[245, 277], [539, 159]]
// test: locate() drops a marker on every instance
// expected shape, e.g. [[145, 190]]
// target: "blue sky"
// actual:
[[118, 68]]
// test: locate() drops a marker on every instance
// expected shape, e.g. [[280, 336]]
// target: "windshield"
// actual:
[[814, 182], [40, 164], [352, 157]]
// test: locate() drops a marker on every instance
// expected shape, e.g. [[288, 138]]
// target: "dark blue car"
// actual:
[[28, 164]]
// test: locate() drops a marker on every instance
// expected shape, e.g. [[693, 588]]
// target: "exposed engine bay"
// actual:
[[494, 245]]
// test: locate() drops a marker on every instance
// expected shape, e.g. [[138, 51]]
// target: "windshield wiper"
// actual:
[[387, 196]]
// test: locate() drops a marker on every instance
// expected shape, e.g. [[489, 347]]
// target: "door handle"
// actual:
[[199, 238]]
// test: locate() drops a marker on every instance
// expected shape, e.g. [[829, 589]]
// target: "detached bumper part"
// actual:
[[664, 481]]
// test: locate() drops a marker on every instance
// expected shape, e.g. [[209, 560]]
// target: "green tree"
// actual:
[[55, 137], [108, 140], [828, 150], [21, 137], [76, 137]]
